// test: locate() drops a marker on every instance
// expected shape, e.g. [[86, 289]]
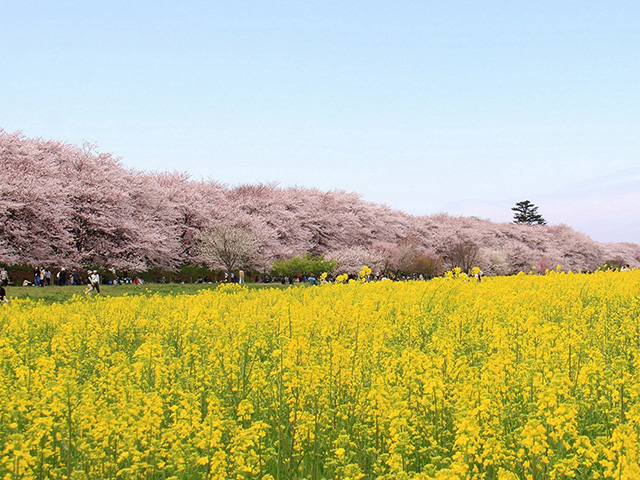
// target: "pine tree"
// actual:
[[527, 213]]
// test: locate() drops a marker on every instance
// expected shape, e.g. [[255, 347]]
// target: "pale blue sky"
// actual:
[[465, 107]]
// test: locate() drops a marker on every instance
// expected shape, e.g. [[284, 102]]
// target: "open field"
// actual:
[[514, 377]]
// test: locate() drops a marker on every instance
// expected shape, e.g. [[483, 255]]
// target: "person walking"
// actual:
[[95, 279], [90, 287], [3, 295]]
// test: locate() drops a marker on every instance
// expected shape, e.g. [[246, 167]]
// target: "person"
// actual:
[[90, 287], [241, 277], [62, 277], [95, 280], [3, 295], [4, 277]]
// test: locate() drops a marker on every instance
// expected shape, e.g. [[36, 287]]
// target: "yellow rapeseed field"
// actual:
[[531, 376]]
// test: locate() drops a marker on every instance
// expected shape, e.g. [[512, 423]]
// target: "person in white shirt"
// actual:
[[95, 280]]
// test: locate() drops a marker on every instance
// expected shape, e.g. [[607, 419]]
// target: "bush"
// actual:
[[303, 265]]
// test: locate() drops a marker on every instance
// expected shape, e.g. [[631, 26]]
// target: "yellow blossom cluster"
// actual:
[[523, 377], [364, 273]]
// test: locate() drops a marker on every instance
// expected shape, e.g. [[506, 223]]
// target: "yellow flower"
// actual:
[[528, 374]]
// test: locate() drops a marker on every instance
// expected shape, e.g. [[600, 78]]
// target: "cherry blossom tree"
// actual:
[[66, 205], [351, 260], [34, 215], [106, 222], [493, 262], [463, 254], [228, 246]]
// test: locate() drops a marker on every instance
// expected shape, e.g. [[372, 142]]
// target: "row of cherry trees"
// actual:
[[63, 205]]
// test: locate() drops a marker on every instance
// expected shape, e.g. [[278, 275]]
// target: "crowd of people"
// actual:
[[43, 277]]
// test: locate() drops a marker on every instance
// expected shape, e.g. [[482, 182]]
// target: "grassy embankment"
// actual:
[[55, 293]]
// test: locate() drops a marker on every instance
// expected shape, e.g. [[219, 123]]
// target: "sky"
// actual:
[[425, 106]]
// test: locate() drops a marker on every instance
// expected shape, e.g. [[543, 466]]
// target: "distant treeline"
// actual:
[[64, 205]]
